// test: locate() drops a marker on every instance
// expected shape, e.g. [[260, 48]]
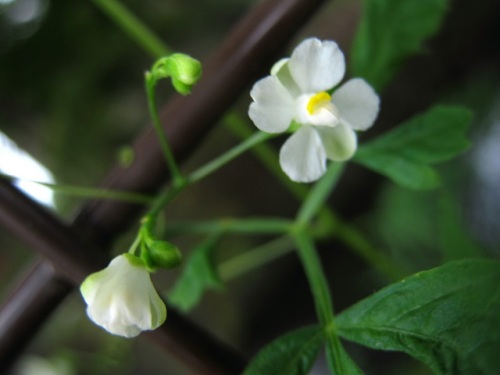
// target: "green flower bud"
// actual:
[[163, 254], [154, 252], [182, 69]]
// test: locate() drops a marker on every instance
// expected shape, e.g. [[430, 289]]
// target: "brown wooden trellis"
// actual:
[[71, 251]]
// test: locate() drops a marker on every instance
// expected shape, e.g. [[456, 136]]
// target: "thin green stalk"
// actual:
[[163, 199], [321, 294], [134, 28], [217, 163], [255, 258], [86, 192], [135, 244], [317, 197], [169, 156], [240, 226], [316, 277]]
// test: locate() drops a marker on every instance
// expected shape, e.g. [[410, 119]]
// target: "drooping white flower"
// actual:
[[122, 299], [298, 90]]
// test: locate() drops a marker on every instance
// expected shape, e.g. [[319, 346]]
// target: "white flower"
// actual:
[[122, 299], [296, 91]]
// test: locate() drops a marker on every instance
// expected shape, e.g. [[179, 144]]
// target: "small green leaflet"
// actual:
[[197, 275], [391, 30], [447, 317], [291, 354], [406, 153]]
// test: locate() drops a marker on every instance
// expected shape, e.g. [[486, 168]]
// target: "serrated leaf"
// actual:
[[198, 275], [291, 354], [447, 317], [406, 153], [391, 30]]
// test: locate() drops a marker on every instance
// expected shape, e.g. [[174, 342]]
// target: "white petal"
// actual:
[[302, 156], [89, 287], [278, 65], [340, 142], [358, 104], [158, 310], [316, 65], [282, 71], [272, 110]]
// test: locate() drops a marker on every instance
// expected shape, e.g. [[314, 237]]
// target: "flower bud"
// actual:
[[122, 299], [161, 254], [182, 69]]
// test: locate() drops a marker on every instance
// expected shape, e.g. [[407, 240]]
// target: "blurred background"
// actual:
[[72, 100]]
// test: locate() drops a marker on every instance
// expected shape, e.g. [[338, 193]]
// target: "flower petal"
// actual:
[[316, 65], [89, 287], [282, 71], [358, 104], [158, 310], [340, 142], [302, 156], [272, 110]]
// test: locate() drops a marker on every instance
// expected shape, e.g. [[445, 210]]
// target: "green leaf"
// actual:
[[391, 30], [405, 153], [198, 274], [291, 354], [447, 317]]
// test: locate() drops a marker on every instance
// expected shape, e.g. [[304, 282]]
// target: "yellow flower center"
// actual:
[[318, 101]]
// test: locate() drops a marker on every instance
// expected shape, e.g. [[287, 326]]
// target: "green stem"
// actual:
[[255, 258], [240, 226], [169, 157], [317, 197], [135, 29], [85, 192], [316, 277], [163, 199], [135, 244], [321, 294], [217, 163]]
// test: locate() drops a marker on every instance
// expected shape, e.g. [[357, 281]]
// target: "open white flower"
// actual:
[[122, 299], [298, 91]]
